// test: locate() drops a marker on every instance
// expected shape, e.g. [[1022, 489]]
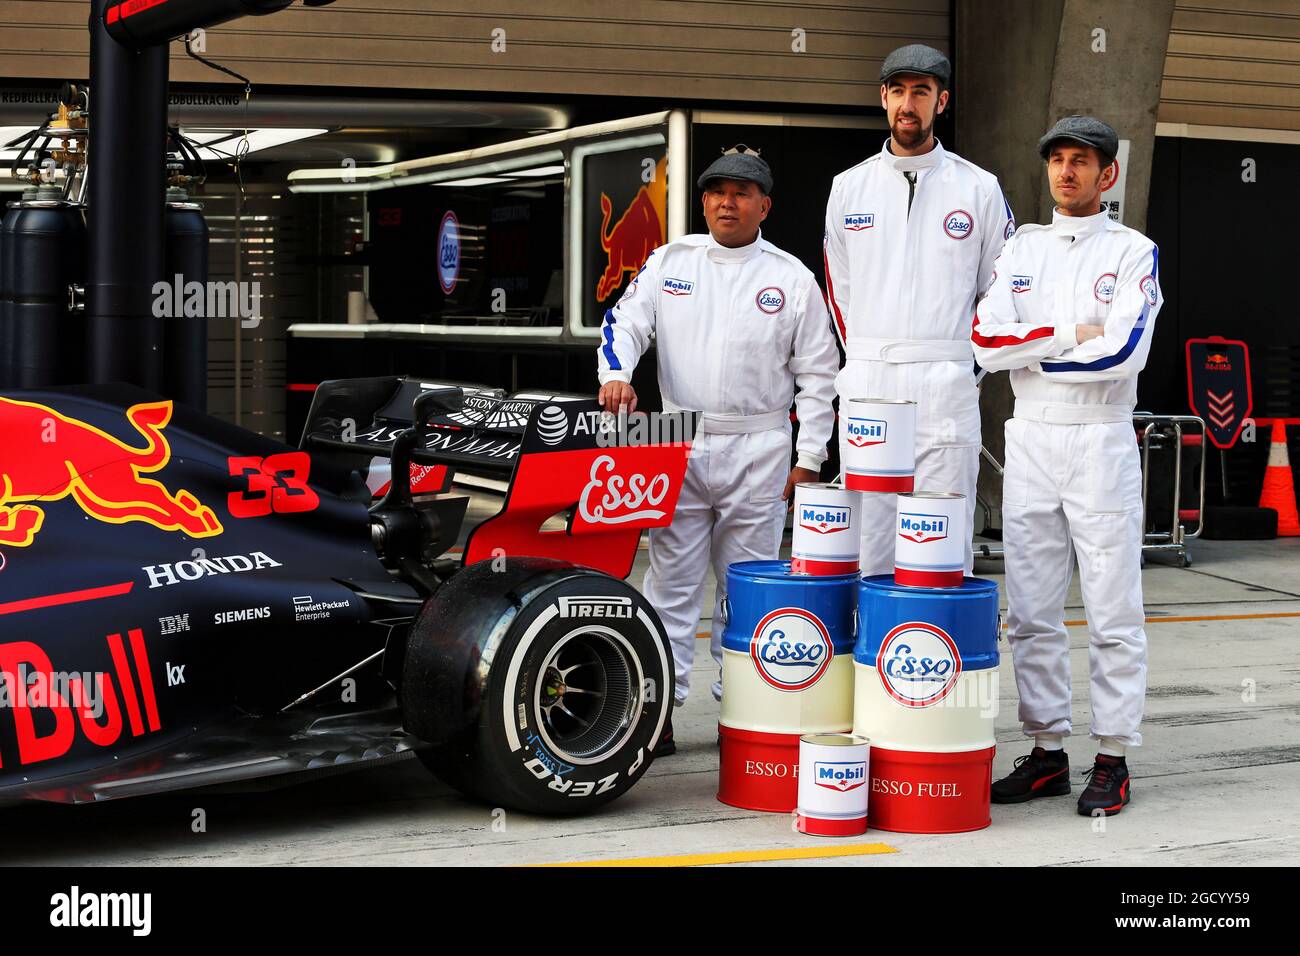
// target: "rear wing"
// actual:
[[610, 476]]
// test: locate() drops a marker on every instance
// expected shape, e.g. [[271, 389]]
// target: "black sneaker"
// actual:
[[1040, 773], [1108, 787], [667, 746]]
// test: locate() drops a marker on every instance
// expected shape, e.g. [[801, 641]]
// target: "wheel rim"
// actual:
[[588, 695]]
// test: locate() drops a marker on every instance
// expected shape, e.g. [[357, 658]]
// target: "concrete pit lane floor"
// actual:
[[1215, 782]]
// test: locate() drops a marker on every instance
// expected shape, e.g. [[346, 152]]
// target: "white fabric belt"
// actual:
[[1060, 414], [727, 423], [906, 351]]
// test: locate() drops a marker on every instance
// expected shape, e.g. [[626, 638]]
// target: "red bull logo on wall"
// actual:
[[49, 456], [640, 230]]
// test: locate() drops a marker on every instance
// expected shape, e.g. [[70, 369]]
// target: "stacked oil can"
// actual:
[[855, 700]]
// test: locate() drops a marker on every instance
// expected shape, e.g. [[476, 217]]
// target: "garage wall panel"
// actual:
[[1233, 64], [669, 48]]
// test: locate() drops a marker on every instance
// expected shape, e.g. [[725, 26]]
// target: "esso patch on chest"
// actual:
[[771, 300], [1104, 287], [958, 224]]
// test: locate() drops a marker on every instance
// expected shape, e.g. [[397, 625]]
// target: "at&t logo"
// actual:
[[552, 425], [791, 649], [841, 776], [922, 528], [865, 431], [918, 664]]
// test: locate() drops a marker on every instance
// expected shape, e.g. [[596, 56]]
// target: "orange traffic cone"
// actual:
[[1279, 492]]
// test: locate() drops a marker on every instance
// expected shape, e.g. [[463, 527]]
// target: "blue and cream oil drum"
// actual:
[[787, 670], [926, 693]]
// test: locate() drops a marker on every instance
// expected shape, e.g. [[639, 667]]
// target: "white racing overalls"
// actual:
[[1073, 483], [904, 264], [737, 330]]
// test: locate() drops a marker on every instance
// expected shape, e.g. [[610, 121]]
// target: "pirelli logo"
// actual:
[[596, 607]]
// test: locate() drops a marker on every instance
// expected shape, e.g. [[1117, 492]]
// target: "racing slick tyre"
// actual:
[[540, 686]]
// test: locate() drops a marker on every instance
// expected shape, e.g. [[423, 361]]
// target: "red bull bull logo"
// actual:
[[638, 232], [49, 456]]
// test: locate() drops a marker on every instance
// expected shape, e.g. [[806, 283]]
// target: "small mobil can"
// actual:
[[826, 529], [878, 444], [931, 540], [833, 774]]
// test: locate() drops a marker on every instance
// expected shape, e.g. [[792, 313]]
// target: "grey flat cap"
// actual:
[[748, 166], [1087, 130], [917, 58]]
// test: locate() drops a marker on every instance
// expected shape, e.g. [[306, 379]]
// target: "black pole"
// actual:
[[124, 211]]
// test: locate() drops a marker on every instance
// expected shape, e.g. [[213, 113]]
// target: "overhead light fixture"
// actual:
[[476, 181], [538, 171]]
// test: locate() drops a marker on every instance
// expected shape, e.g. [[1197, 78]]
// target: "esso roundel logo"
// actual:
[[958, 224], [1148, 287], [1104, 287], [791, 649], [771, 300], [918, 664], [448, 252]]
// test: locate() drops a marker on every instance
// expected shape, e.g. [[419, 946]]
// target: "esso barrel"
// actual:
[[787, 670], [45, 251], [926, 694], [827, 529], [878, 444], [185, 340], [930, 539], [833, 791]]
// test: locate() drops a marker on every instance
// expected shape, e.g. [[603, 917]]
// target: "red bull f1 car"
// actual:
[[186, 604]]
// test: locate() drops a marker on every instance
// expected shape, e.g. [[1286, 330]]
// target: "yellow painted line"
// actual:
[[1165, 620], [740, 856]]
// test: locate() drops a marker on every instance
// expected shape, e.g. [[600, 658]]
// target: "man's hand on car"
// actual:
[[614, 395]]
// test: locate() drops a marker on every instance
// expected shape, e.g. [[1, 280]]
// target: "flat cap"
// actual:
[[739, 165], [917, 58], [1087, 130]]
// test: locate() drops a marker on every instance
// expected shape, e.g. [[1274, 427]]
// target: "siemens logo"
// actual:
[[245, 614]]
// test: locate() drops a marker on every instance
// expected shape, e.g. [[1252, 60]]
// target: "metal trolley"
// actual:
[[1159, 432], [1172, 432]]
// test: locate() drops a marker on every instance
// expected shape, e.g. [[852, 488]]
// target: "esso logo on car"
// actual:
[[448, 252], [611, 498], [958, 224], [863, 432], [1104, 287], [918, 664], [791, 649], [771, 300]]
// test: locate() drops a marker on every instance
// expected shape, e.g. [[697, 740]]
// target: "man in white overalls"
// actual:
[[739, 325]]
